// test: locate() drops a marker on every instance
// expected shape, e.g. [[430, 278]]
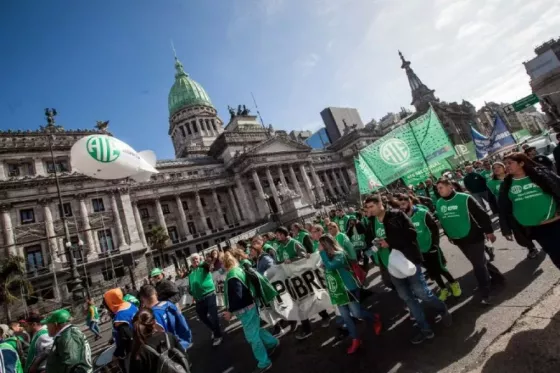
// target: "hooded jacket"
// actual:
[[122, 320]]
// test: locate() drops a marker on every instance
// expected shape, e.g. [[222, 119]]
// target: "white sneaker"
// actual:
[[217, 341]]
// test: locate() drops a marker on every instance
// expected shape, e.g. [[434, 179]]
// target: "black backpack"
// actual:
[[171, 359]]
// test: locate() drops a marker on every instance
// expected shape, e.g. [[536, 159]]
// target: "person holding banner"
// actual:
[[393, 230], [302, 236], [203, 290], [288, 251], [508, 225], [343, 288], [241, 301], [467, 225], [531, 195]]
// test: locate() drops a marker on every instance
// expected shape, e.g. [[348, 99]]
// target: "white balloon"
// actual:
[[108, 158]]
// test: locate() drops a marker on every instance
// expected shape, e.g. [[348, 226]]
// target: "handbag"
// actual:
[[399, 266], [359, 272]]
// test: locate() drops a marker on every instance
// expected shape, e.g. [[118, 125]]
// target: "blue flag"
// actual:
[[501, 137], [481, 143]]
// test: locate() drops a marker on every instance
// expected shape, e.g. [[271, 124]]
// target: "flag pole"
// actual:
[[419, 147]]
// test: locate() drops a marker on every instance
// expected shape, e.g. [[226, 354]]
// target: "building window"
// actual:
[[192, 227], [27, 216], [165, 208], [108, 273], [34, 258], [202, 202], [183, 131], [61, 166], [209, 222], [67, 207], [13, 169], [214, 125], [98, 205], [106, 240], [205, 245], [195, 126], [173, 235], [185, 206], [77, 251], [144, 214]]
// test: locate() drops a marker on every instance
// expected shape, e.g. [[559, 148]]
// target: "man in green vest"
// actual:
[[39, 347], [203, 290], [70, 352], [467, 224], [288, 251], [302, 236]]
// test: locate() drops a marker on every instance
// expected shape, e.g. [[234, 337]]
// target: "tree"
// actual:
[[158, 238], [13, 281]]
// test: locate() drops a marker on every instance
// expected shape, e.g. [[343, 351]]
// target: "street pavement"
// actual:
[[455, 349]]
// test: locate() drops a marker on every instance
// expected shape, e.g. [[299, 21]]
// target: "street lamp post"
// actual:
[[75, 283]]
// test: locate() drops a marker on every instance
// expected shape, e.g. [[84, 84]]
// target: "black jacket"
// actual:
[[475, 182], [359, 228], [481, 223], [400, 233], [544, 161], [546, 179], [434, 229], [168, 291]]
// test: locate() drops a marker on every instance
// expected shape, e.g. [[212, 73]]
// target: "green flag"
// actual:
[[436, 169], [431, 137], [367, 180], [465, 153]]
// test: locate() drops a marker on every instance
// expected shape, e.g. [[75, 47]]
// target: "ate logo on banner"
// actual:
[[394, 152], [103, 149]]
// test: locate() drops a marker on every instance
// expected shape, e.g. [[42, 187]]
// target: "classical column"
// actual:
[[352, 175], [282, 177], [139, 225], [343, 179], [129, 219], [329, 185], [201, 211], [336, 183], [8, 230], [219, 208], [182, 215], [234, 204], [246, 208], [39, 166], [118, 223], [307, 183], [295, 183], [273, 190], [159, 215], [318, 184], [84, 214], [49, 227]]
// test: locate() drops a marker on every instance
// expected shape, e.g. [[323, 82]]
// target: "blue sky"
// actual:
[[112, 60]]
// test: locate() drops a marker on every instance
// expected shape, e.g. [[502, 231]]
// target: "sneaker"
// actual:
[[326, 322], [356, 343], [217, 341], [272, 350], [456, 289], [303, 335], [533, 253], [261, 370], [421, 337], [443, 294], [485, 302]]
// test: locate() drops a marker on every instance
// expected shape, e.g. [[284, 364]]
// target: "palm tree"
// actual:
[[158, 238], [13, 281]]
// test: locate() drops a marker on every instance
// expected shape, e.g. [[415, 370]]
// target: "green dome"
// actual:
[[185, 91]]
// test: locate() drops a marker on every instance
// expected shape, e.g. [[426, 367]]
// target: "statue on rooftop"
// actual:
[[101, 125]]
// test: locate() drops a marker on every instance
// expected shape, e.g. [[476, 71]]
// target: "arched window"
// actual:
[[183, 131]]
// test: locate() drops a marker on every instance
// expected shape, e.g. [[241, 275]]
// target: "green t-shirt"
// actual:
[[342, 222], [531, 206], [358, 240], [494, 186], [201, 283], [423, 234], [487, 174], [383, 252], [454, 215]]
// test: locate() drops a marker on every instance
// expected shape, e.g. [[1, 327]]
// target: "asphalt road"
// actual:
[[453, 350]]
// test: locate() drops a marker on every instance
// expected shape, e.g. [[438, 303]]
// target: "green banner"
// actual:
[[437, 168], [465, 153], [521, 134], [404, 149], [367, 180]]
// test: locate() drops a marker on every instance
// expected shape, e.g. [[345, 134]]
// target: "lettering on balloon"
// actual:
[[103, 149]]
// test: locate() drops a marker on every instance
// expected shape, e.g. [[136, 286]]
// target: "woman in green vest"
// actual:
[[241, 301], [343, 241], [427, 236], [531, 195], [343, 288], [508, 224]]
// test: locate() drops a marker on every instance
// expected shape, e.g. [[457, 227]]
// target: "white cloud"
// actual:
[[451, 12]]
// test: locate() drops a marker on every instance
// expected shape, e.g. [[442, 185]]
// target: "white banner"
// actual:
[[301, 290]]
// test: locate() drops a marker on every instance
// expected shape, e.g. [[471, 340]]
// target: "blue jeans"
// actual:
[[207, 311], [94, 327], [259, 338], [354, 308], [414, 288]]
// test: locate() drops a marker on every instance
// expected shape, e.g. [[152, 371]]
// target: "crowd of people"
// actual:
[[397, 231]]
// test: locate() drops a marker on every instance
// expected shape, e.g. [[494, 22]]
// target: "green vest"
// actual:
[[494, 186], [383, 252], [423, 234], [95, 312], [344, 241], [274, 243], [301, 235], [336, 288], [33, 348], [200, 283], [454, 215], [287, 251], [267, 291], [486, 174], [315, 246], [531, 206]]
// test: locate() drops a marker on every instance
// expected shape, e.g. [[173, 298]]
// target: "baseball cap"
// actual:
[[57, 317], [156, 272]]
